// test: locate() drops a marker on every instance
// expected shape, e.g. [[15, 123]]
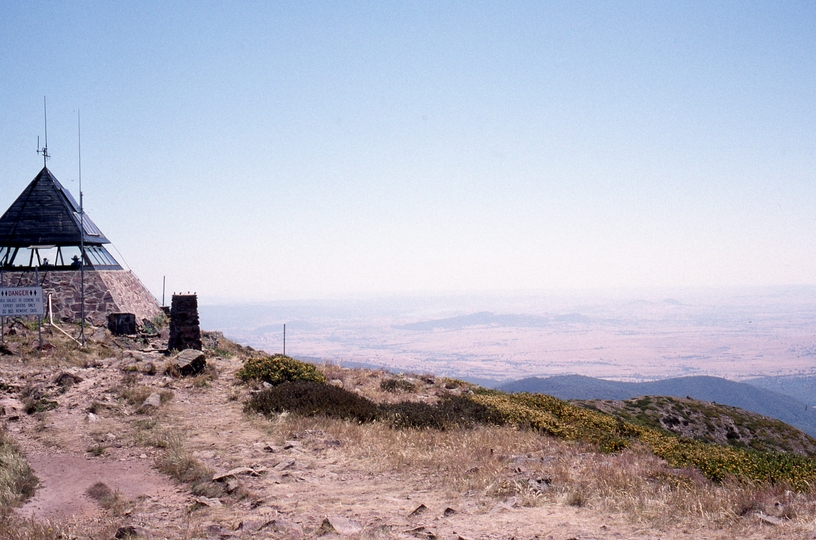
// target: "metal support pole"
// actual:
[[81, 239], [2, 319], [39, 316]]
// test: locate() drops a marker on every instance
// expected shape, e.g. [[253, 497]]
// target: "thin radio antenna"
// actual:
[[44, 149], [81, 237]]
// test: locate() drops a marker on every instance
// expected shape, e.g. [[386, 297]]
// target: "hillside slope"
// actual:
[[124, 448], [709, 422], [802, 388], [714, 389]]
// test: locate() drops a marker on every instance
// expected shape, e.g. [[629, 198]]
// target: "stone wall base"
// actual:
[[106, 291]]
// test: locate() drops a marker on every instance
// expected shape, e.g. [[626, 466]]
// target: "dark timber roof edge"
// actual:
[[46, 213]]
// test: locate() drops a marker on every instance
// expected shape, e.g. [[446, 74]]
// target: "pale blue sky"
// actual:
[[284, 150]]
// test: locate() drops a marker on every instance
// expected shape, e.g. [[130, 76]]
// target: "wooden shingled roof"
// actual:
[[45, 213]]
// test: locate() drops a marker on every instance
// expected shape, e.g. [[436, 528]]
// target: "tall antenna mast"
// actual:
[[44, 149], [81, 238]]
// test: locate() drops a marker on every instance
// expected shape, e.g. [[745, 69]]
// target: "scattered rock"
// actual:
[[289, 528], [11, 408], [66, 380], [236, 471], [254, 525], [340, 525], [92, 418], [325, 528], [11, 348], [214, 529], [501, 507], [147, 368], [128, 531], [152, 401], [99, 335], [448, 512], [418, 510], [207, 501], [188, 362], [421, 532], [232, 485], [285, 464], [209, 340], [769, 520]]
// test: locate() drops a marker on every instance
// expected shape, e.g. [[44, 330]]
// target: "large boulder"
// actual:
[[188, 362]]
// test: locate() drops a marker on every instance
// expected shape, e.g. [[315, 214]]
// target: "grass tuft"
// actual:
[[17, 480], [177, 463]]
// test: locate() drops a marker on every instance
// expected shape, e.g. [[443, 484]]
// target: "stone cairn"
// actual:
[[185, 332]]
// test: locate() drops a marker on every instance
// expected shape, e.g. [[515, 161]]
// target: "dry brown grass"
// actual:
[[135, 394], [17, 480], [177, 463], [497, 463]]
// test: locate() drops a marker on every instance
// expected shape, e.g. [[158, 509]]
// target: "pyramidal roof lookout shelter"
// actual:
[[43, 235]]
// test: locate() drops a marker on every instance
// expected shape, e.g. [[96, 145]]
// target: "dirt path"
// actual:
[[65, 480]]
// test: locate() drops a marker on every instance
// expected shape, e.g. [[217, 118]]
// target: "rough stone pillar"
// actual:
[[185, 332]]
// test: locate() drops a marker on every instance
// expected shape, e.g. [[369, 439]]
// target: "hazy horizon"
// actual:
[[735, 333]]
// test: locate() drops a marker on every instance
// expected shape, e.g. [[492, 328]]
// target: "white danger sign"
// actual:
[[16, 301]]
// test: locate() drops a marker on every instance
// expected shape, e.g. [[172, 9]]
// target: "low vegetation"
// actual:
[[17, 481], [708, 422], [278, 369], [543, 414], [309, 398]]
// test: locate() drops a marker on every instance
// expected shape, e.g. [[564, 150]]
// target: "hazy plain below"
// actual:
[[629, 335]]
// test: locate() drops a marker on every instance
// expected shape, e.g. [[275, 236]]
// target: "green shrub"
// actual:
[[278, 369]]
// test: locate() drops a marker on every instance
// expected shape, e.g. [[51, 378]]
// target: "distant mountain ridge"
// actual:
[[745, 396], [487, 318]]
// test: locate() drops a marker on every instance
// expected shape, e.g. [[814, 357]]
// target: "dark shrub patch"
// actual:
[[449, 412], [412, 414], [465, 412], [309, 398], [395, 385]]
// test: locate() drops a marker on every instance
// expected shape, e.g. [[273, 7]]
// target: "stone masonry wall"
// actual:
[[185, 332], [106, 291], [130, 294]]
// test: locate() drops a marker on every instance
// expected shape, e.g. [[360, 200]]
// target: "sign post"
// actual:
[[20, 301], [2, 318]]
